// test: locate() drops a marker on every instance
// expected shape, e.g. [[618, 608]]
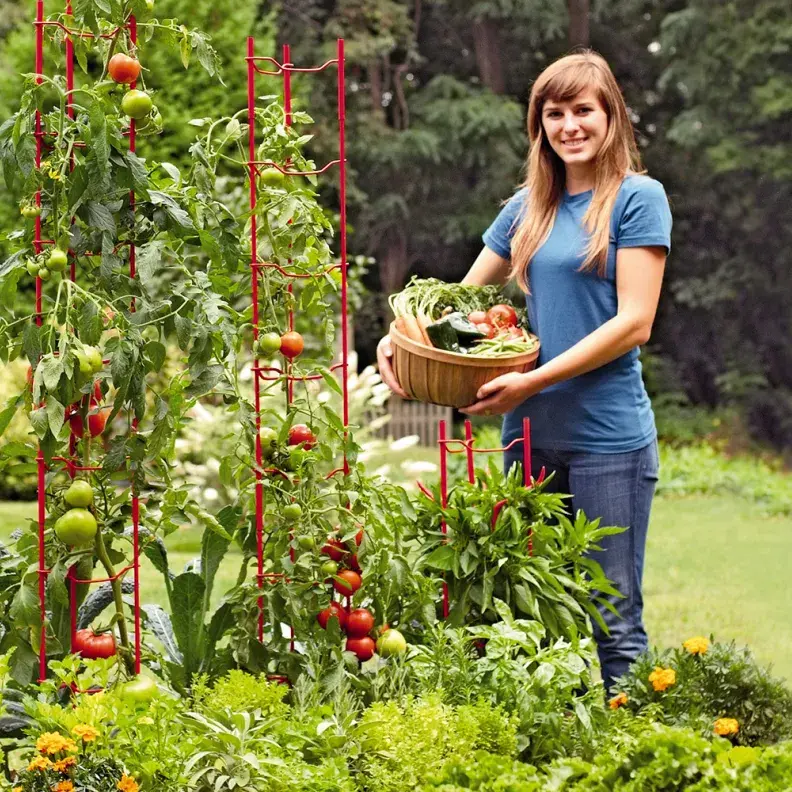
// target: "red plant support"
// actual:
[[68, 463], [270, 373], [469, 450]]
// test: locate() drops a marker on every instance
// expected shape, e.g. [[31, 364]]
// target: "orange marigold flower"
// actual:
[[64, 786], [85, 732], [127, 784], [697, 646], [726, 726], [619, 700], [40, 763], [63, 765], [54, 742], [662, 678], [17, 789]]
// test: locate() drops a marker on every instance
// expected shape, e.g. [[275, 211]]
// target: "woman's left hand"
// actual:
[[503, 394]]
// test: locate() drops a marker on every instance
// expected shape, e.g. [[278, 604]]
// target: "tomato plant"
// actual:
[[79, 494], [334, 611], [300, 434]]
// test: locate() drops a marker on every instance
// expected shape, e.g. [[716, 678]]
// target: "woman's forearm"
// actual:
[[609, 341]]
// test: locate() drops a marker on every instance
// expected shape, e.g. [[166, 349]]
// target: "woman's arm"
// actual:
[[488, 269], [639, 276]]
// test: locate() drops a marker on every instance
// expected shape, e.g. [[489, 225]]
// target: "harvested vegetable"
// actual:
[[475, 320]]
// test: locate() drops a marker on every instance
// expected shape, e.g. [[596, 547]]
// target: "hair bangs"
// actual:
[[569, 81]]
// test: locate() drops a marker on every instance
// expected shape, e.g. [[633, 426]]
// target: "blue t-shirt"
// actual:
[[607, 410]]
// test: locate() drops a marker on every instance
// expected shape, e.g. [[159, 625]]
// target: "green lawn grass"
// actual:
[[714, 565]]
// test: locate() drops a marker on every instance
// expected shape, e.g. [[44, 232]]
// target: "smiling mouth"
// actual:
[[576, 142]]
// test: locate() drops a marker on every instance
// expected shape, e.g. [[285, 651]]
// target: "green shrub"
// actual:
[[721, 682], [238, 691]]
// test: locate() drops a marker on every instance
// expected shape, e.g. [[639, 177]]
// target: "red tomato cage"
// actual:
[[270, 67], [69, 464], [467, 448]]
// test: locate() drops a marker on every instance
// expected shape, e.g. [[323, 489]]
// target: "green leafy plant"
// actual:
[[712, 681], [484, 553]]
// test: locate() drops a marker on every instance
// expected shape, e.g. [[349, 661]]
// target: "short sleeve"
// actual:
[[499, 235], [646, 218]]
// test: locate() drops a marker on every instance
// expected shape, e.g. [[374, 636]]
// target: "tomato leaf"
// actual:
[[187, 617], [31, 342], [9, 411], [56, 415], [442, 558], [149, 265], [205, 381]]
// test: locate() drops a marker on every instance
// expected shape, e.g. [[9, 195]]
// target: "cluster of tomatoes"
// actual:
[[136, 104], [77, 526], [358, 623], [289, 344], [44, 264], [500, 319], [97, 417]]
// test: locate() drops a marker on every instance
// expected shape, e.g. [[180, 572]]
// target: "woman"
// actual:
[[586, 237]]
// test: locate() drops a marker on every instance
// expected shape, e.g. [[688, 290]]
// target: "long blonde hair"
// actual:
[[546, 176]]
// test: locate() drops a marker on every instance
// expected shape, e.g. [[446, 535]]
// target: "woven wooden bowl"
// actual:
[[449, 378]]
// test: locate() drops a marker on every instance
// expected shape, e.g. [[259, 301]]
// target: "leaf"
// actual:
[[213, 550], [89, 324], [56, 415], [100, 217], [158, 621], [51, 370], [205, 381], [100, 598], [183, 331], [442, 557], [9, 411], [156, 353], [31, 342], [149, 265], [187, 617]]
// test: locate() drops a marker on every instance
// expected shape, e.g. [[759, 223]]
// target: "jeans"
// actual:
[[617, 488]]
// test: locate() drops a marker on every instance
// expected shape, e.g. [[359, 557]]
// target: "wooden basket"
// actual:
[[450, 378]]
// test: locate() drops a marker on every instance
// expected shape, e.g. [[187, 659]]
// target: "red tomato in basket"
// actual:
[[502, 315], [486, 328]]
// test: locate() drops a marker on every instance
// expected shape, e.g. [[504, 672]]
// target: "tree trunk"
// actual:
[[394, 264], [578, 22], [375, 86], [487, 45]]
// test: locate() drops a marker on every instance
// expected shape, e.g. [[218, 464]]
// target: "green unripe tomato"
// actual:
[[44, 273], [32, 267], [390, 643], [269, 439], [292, 512], [306, 542], [136, 104], [272, 177], [86, 369], [94, 358], [30, 210], [268, 344], [76, 527], [57, 260], [296, 458], [140, 690], [329, 568], [79, 494]]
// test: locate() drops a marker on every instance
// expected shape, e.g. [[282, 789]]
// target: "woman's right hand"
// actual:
[[384, 355]]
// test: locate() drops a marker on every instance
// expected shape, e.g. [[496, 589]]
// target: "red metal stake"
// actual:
[[444, 501]]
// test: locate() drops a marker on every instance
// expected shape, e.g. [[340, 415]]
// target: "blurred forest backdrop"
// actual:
[[437, 94]]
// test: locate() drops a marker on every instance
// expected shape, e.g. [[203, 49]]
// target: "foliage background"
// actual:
[[437, 93]]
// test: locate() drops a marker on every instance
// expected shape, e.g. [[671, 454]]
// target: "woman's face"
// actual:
[[576, 129]]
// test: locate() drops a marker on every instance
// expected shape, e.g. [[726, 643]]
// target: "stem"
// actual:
[[101, 552]]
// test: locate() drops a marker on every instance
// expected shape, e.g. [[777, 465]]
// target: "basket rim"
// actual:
[[458, 358]]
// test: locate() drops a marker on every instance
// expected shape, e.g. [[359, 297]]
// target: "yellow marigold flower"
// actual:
[[53, 742], [662, 678], [698, 645], [17, 789], [127, 784], [86, 732], [726, 726], [619, 700], [40, 763], [64, 786], [63, 765]]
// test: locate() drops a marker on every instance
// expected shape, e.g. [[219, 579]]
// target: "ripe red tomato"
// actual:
[[123, 69], [291, 344], [502, 316], [76, 424], [477, 317], [360, 622], [97, 421], [486, 328], [359, 537], [300, 434], [354, 563], [334, 610], [93, 646], [362, 647], [347, 582], [334, 548]]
